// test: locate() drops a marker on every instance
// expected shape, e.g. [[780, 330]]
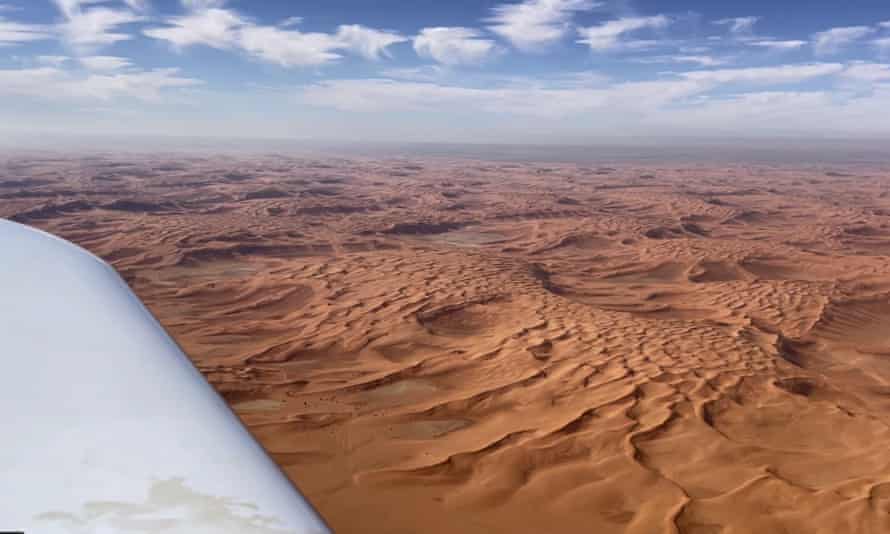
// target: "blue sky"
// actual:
[[526, 71]]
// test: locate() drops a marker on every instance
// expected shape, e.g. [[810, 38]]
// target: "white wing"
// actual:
[[105, 425]]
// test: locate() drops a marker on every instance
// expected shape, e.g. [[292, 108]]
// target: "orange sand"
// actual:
[[460, 346]]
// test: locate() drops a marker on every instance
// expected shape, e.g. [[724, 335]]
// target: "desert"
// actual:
[[449, 344]]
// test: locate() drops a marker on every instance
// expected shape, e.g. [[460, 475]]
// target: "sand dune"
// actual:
[[463, 346]]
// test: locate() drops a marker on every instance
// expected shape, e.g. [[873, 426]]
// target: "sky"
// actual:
[[469, 71]]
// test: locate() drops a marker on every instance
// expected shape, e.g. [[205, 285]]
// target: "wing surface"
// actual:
[[105, 425]]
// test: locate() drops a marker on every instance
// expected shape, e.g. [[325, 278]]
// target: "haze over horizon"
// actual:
[[534, 71]]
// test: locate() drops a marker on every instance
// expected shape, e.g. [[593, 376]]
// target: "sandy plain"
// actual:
[[466, 346]]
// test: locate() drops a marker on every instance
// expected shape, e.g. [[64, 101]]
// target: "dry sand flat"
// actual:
[[462, 346]]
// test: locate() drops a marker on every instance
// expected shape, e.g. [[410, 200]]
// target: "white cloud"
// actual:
[[424, 73], [549, 99], [52, 61], [867, 72], [105, 63], [801, 113], [885, 24], [97, 26], [453, 46], [531, 24], [533, 100], [704, 61], [88, 27], [608, 36], [367, 42], [288, 48], [697, 59], [765, 112], [783, 74], [833, 40], [685, 105], [778, 45], [209, 26], [384, 94], [739, 26], [882, 44], [143, 85], [290, 22], [28, 82], [59, 84], [209, 23], [13, 33], [202, 4], [579, 79]]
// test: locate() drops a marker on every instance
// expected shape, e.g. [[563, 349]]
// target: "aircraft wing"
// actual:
[[105, 425]]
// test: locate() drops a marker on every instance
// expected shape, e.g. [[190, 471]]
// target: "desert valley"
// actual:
[[446, 345]]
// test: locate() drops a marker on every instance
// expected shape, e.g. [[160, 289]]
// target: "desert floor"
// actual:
[[439, 346]]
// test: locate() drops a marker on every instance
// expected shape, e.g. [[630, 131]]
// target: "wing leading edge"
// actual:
[[106, 426]]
